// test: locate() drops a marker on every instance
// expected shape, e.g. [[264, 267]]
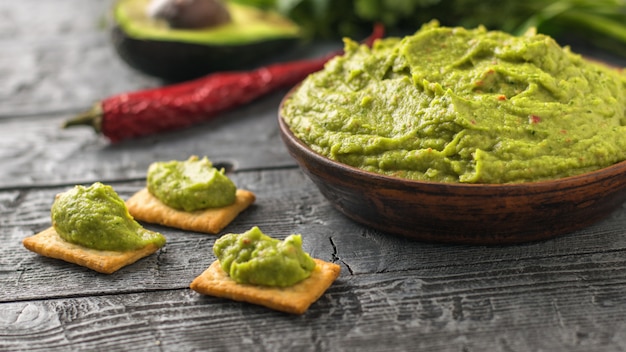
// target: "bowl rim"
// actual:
[[563, 182]]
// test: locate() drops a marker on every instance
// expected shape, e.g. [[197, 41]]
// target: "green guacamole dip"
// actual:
[[255, 258], [463, 105], [96, 217], [190, 185]]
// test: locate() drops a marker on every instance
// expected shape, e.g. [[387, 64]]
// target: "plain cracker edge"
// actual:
[[49, 244], [294, 299], [144, 206]]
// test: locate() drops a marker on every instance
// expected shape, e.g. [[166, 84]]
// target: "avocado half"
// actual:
[[153, 47]]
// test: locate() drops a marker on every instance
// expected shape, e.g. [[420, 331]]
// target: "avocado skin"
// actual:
[[178, 61]]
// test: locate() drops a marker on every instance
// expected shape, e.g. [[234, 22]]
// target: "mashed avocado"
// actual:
[[96, 217], [463, 105], [255, 258], [190, 185]]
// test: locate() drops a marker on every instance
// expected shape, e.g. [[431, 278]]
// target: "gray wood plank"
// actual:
[[50, 77], [36, 151], [565, 294], [57, 56], [289, 203], [363, 312]]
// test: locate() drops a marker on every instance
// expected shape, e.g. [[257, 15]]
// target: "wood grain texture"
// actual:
[[363, 312], [561, 294], [36, 151], [57, 57], [565, 294], [58, 65]]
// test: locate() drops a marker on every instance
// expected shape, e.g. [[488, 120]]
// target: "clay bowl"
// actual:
[[462, 213]]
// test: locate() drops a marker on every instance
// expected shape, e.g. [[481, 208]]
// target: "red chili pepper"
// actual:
[[534, 119], [181, 105]]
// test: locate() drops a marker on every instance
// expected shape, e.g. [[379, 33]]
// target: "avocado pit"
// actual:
[[190, 13]]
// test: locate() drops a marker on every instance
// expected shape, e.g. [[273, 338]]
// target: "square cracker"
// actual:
[[49, 244], [146, 207], [294, 299]]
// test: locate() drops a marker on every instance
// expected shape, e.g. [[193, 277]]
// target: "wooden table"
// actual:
[[565, 294]]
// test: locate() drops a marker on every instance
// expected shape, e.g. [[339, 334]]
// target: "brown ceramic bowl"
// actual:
[[462, 213]]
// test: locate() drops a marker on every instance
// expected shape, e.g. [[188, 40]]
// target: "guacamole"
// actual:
[[190, 185], [96, 217], [463, 105], [255, 258]]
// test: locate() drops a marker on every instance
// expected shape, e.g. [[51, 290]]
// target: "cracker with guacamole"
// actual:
[[189, 195], [91, 227], [49, 244], [255, 268]]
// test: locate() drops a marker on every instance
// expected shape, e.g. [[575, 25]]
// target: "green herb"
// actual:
[[601, 22]]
